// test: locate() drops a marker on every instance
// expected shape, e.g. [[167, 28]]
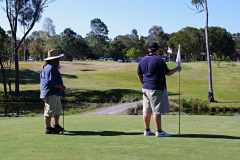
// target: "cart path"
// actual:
[[114, 110]]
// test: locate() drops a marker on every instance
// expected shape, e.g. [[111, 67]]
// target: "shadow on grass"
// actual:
[[225, 101], [173, 94], [211, 136], [81, 63], [105, 96], [26, 76], [101, 133], [69, 76], [29, 100], [87, 70], [31, 77]]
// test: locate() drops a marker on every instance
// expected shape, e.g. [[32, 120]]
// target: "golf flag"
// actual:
[[169, 50], [178, 59]]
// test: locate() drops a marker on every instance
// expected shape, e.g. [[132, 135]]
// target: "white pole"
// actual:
[[179, 103], [178, 62]]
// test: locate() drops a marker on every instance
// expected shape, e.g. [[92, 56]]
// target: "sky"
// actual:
[[121, 16]]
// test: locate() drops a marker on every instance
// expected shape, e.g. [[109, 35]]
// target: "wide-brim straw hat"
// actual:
[[53, 54]]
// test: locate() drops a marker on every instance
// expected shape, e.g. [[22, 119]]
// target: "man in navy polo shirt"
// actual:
[[151, 71]]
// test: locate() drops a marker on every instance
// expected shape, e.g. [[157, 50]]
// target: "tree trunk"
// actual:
[[16, 71], [210, 84], [4, 77]]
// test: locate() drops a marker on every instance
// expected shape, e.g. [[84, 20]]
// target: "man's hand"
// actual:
[[174, 70], [60, 87], [179, 68]]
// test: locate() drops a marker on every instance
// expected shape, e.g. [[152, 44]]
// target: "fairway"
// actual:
[[120, 138], [95, 78], [95, 75]]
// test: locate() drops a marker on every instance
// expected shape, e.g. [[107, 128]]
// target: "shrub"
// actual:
[[192, 106]]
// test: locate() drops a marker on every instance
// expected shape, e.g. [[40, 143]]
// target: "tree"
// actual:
[[24, 13], [136, 41], [3, 58], [3, 37], [221, 42], [118, 47], [99, 28], [133, 53], [156, 34], [190, 40], [122, 43], [134, 35], [49, 27], [68, 38], [73, 45], [39, 35], [236, 37], [53, 42], [98, 37], [202, 6], [37, 48], [37, 44]]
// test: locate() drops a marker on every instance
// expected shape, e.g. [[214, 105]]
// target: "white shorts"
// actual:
[[155, 101]]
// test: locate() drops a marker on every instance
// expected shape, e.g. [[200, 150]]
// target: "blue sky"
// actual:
[[121, 16]]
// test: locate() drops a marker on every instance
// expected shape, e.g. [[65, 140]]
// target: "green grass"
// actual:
[[102, 76], [120, 138]]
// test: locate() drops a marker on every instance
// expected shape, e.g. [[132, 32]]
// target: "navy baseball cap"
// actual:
[[153, 45]]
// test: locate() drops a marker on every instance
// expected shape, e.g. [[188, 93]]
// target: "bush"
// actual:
[[192, 106], [136, 110]]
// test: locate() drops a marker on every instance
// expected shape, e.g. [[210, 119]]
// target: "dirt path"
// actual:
[[113, 110]]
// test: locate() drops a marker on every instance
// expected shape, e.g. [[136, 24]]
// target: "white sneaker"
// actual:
[[148, 133], [162, 134]]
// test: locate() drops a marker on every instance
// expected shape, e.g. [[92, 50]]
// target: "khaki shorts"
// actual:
[[53, 106], [155, 101]]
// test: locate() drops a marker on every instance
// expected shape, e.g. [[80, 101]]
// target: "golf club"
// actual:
[[63, 107]]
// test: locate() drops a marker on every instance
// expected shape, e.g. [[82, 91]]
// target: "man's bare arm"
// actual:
[[174, 70], [140, 76]]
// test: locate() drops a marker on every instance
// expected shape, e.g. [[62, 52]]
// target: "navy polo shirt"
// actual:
[[153, 68]]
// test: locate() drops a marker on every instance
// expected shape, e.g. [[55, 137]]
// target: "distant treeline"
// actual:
[[97, 44]]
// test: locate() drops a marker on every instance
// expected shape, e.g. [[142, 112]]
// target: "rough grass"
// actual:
[[120, 138]]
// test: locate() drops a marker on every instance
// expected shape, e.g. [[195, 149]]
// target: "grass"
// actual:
[[120, 138], [107, 76]]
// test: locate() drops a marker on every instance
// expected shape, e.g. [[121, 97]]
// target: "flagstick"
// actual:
[[178, 62], [179, 110]]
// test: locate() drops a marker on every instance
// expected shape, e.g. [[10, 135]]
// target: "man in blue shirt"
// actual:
[[151, 71], [51, 90]]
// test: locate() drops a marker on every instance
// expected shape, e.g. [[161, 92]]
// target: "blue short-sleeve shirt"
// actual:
[[49, 78]]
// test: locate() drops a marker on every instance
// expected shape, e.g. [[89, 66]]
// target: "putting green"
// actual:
[[120, 138]]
